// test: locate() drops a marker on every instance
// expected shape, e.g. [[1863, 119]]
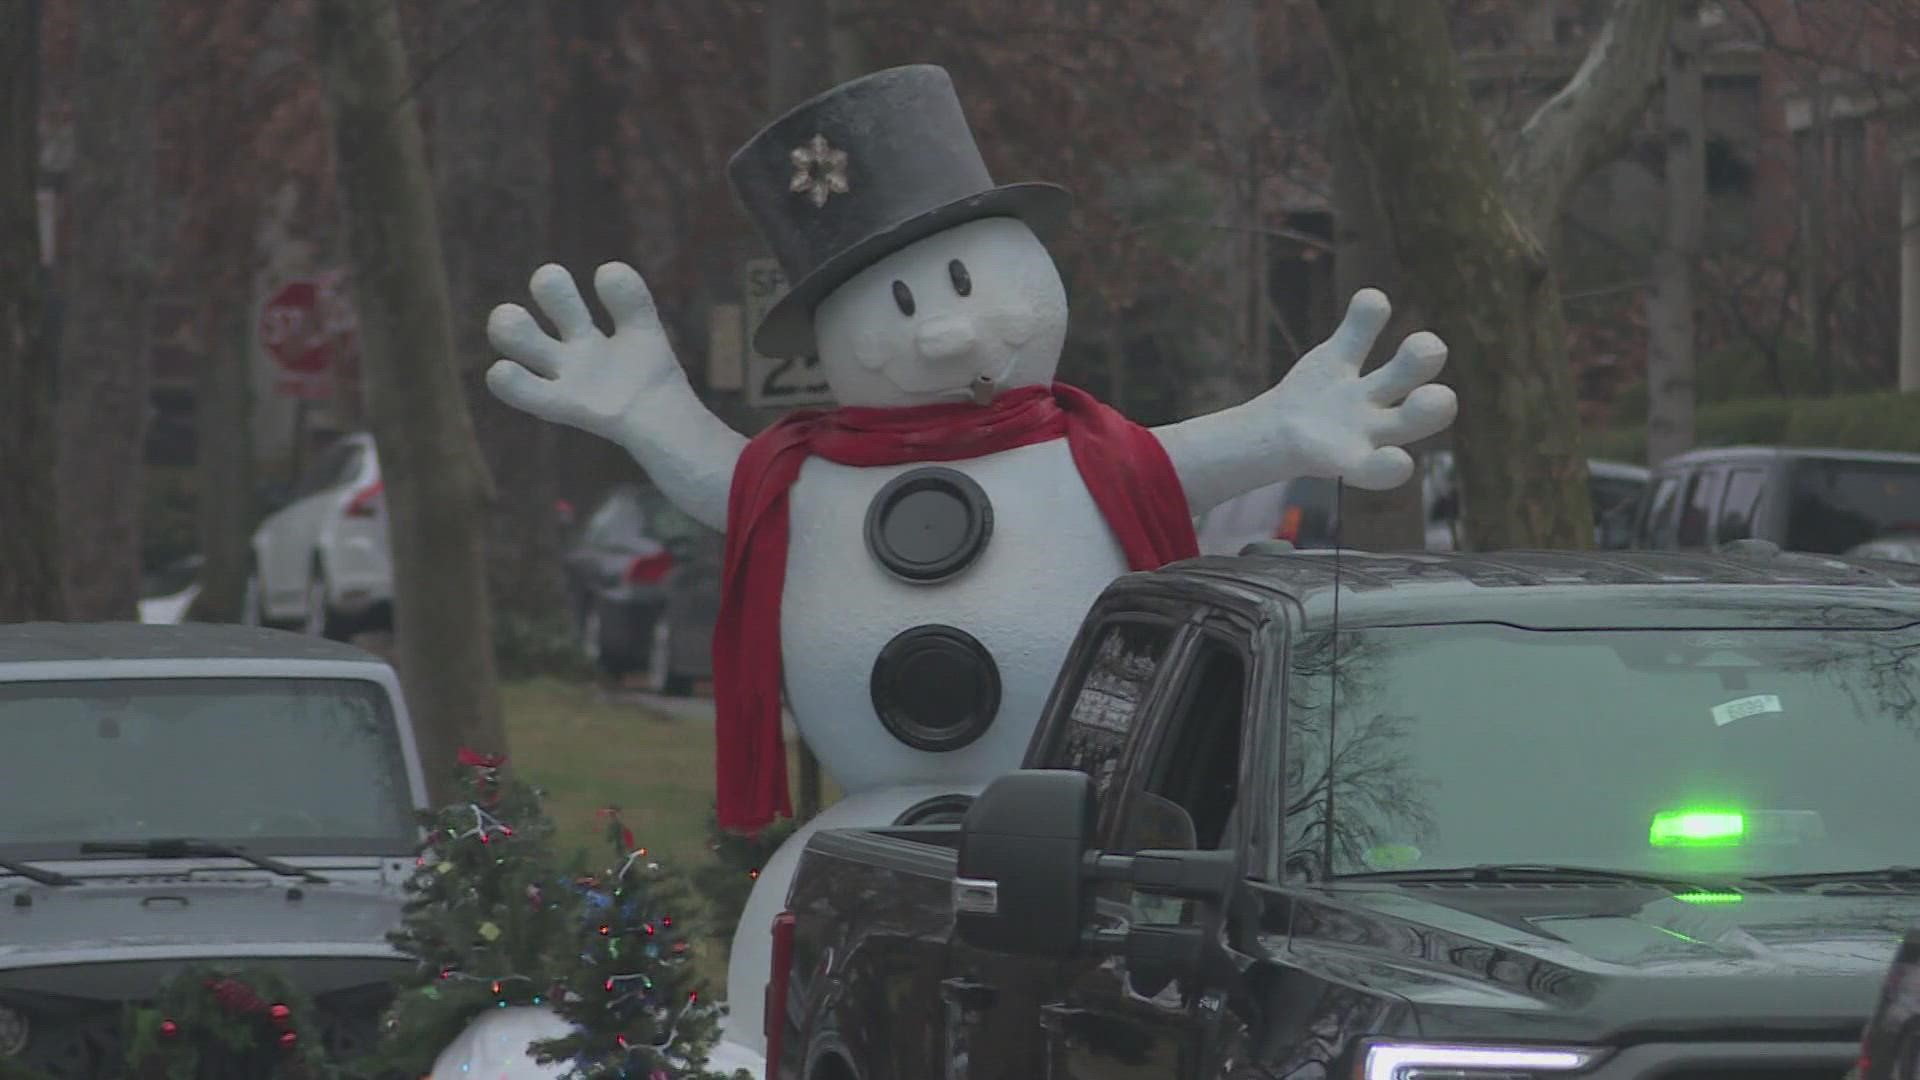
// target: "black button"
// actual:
[[929, 524], [935, 688]]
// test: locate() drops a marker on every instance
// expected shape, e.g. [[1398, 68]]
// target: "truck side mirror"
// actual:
[[1019, 883]]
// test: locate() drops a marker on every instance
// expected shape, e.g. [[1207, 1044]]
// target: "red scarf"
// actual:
[[1123, 465]]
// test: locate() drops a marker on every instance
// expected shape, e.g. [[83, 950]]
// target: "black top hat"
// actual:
[[859, 172]]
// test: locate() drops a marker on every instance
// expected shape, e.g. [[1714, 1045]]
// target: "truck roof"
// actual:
[[41, 642], [1568, 589], [1749, 453]]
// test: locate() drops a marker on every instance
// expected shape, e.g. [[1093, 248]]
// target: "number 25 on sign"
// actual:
[[778, 382]]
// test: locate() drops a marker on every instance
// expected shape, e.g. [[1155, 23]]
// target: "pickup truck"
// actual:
[[1389, 817], [194, 794]]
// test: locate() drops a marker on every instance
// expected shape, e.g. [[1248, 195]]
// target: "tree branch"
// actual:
[[1582, 126]]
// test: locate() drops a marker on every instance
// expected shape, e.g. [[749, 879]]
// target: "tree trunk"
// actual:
[[30, 582], [435, 480], [1363, 258], [488, 111], [107, 275], [1813, 187], [1670, 317], [1225, 365], [1467, 235], [808, 50], [1910, 269], [223, 413]]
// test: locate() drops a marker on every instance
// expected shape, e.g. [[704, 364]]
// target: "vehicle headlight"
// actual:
[[1432, 1061], [13, 1031]]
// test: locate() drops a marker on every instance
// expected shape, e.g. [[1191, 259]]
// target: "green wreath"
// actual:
[[212, 1022]]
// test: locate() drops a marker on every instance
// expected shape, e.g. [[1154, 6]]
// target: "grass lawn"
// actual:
[[588, 753]]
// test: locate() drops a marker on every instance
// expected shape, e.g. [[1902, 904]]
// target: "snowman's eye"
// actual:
[[962, 281], [903, 297]]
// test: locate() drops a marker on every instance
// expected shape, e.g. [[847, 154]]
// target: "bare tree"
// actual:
[[1471, 235], [30, 584], [1363, 258], [1670, 303], [1227, 362], [107, 276], [488, 114], [436, 483]]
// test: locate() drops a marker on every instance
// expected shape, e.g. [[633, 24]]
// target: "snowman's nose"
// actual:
[[944, 337]]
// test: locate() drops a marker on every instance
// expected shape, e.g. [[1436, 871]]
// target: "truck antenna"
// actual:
[[1333, 670]]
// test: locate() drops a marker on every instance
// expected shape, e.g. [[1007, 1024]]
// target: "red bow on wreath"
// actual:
[[478, 760]]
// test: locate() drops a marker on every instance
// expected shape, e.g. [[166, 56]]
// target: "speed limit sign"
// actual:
[[776, 382]]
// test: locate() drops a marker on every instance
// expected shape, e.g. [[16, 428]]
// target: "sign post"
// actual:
[[776, 382]]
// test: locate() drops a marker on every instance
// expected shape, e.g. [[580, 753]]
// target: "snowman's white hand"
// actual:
[[584, 378], [1339, 423]]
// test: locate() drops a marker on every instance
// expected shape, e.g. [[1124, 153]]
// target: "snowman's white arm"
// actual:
[[687, 451], [1227, 453], [1324, 419], [627, 387]]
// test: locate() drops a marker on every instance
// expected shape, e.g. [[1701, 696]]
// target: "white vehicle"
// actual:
[[321, 562]]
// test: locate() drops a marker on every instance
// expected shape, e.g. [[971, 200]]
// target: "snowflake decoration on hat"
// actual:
[[819, 170]]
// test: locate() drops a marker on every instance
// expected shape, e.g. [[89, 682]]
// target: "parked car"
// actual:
[[643, 578], [1526, 814], [321, 561], [167, 594], [1304, 511], [1890, 1046], [1809, 500], [1299, 511], [176, 795]]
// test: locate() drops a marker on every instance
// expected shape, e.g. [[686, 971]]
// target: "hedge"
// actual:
[[1879, 421]]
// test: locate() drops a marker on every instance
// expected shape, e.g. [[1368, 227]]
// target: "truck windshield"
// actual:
[[290, 766], [1834, 505], [1726, 753]]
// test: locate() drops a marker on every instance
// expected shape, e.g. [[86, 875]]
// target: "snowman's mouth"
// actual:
[[988, 383]]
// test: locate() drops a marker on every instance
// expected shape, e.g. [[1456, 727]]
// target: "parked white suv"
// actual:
[[321, 562]]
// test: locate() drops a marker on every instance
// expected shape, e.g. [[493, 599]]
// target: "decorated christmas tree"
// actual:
[[489, 920], [630, 992], [725, 882], [206, 1024]]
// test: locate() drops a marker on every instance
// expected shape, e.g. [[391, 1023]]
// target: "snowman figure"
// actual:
[[905, 573]]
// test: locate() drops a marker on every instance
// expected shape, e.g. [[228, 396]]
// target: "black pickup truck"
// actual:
[[1388, 817]]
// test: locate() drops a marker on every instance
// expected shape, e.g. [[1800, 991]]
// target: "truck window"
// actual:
[[1835, 505], [1696, 520], [1658, 532], [1107, 697], [1197, 764], [1740, 506]]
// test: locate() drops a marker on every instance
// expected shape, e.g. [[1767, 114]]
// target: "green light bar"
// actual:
[[1696, 828], [1708, 897]]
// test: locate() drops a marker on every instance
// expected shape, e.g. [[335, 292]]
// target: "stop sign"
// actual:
[[292, 331]]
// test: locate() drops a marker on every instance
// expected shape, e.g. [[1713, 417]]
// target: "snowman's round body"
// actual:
[[1020, 597]]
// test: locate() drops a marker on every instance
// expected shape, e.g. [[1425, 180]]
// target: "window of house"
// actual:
[[1107, 699]]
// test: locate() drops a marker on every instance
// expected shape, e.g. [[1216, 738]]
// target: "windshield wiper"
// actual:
[[1496, 872], [35, 873], [1895, 874], [194, 849]]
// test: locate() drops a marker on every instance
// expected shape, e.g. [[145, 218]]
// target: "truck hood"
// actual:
[[60, 941], [1606, 962]]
